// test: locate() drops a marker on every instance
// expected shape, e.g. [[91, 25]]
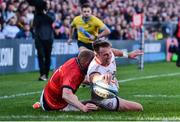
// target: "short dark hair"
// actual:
[[100, 43], [85, 55], [86, 5]]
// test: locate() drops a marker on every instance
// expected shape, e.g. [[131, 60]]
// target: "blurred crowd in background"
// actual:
[[16, 17]]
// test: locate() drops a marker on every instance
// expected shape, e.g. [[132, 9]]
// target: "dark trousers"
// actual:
[[178, 53], [88, 45], [44, 48]]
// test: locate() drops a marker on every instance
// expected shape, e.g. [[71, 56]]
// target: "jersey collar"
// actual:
[[85, 20], [83, 71]]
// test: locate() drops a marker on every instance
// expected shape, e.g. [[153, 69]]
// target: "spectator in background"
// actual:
[[115, 33], [61, 31], [3, 12], [21, 22], [25, 32], [24, 13], [171, 47], [30, 15], [117, 12], [56, 27], [159, 34], [43, 33], [11, 29], [81, 2], [10, 10], [1, 33]]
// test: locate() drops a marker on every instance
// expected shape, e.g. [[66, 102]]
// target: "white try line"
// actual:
[[82, 117], [19, 95], [157, 96], [149, 77], [130, 79]]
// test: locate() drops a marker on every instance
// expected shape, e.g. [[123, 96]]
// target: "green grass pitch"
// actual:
[[157, 88]]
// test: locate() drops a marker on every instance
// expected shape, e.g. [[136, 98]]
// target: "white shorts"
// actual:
[[109, 103]]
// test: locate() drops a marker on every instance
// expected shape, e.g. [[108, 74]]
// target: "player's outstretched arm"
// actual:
[[73, 100], [135, 53], [131, 55]]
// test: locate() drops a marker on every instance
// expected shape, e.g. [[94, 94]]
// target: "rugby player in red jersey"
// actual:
[[59, 93]]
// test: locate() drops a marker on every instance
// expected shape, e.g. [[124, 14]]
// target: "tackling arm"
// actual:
[[73, 100], [117, 52], [132, 54]]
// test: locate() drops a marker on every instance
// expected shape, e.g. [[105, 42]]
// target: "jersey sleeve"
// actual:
[[93, 68], [71, 81], [73, 23], [100, 24]]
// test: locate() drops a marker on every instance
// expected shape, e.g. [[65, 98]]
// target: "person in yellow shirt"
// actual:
[[89, 28]]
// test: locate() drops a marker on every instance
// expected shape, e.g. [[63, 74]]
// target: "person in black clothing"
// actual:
[[177, 34], [43, 35]]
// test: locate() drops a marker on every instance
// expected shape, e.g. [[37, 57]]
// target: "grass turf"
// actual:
[[159, 96]]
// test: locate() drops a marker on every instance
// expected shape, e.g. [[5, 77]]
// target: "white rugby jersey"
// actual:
[[96, 67]]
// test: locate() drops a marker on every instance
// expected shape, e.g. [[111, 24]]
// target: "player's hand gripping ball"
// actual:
[[104, 90]]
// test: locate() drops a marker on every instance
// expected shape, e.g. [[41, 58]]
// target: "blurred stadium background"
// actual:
[[156, 87]]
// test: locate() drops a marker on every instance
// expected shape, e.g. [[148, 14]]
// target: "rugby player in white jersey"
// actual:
[[103, 68]]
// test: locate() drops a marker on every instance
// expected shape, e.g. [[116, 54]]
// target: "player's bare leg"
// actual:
[[125, 105]]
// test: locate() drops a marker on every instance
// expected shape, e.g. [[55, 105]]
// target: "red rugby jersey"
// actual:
[[68, 75]]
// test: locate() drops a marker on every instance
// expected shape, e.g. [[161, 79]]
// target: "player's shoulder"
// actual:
[[74, 65], [77, 18], [71, 67], [69, 64], [94, 66], [93, 63], [95, 18], [70, 60]]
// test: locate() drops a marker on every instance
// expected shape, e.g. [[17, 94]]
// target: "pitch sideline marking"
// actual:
[[19, 95], [129, 79], [65, 116], [158, 95], [149, 77]]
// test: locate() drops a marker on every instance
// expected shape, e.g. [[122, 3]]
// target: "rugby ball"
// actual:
[[104, 90]]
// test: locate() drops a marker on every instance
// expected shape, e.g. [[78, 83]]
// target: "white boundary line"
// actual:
[[158, 95], [85, 117], [130, 79], [19, 95], [149, 77]]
